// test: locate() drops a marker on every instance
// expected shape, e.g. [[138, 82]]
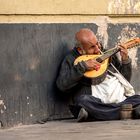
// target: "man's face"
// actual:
[[91, 46]]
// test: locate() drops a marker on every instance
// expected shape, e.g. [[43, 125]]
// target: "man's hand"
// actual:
[[123, 52], [92, 64]]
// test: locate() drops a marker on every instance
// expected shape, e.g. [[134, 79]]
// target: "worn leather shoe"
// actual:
[[82, 116]]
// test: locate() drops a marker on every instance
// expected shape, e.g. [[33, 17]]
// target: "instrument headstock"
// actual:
[[131, 43]]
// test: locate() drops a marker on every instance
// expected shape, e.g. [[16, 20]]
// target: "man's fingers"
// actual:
[[122, 46], [93, 64], [97, 67]]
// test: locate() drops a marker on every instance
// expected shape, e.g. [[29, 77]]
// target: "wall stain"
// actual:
[[2, 107], [33, 63], [126, 34], [124, 7], [102, 23]]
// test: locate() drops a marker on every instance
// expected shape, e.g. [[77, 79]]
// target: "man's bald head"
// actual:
[[86, 42], [84, 36]]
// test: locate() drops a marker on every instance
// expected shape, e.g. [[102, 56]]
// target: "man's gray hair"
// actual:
[[78, 44]]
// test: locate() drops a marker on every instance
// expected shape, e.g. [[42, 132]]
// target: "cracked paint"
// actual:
[[31, 115], [102, 23], [33, 63], [16, 112], [17, 77], [2, 107], [126, 34], [124, 7], [27, 98]]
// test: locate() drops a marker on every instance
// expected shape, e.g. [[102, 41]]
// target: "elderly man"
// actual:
[[101, 99]]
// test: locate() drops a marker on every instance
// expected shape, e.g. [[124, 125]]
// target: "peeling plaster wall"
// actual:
[[124, 7], [102, 23], [125, 34], [74, 11], [36, 35], [30, 57], [2, 106]]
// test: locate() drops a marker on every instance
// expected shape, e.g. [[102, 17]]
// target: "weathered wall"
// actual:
[[48, 11], [30, 56], [70, 7], [31, 51]]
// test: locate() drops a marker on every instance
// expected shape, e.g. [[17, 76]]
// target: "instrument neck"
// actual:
[[107, 54]]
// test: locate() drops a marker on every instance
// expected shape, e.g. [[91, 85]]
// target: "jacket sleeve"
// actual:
[[70, 74], [124, 67]]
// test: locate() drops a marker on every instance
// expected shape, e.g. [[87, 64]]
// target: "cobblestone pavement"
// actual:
[[71, 130]]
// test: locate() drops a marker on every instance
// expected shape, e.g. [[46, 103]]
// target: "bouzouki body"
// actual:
[[93, 73]]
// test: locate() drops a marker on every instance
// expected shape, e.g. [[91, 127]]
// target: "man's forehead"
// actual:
[[90, 41], [87, 39], [84, 33]]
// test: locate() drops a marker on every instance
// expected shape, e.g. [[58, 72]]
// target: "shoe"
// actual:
[[136, 112], [43, 121], [74, 109], [82, 116]]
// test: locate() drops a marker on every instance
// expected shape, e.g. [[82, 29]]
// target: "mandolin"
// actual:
[[104, 58]]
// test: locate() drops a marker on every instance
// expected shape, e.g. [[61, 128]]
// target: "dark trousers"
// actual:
[[102, 111]]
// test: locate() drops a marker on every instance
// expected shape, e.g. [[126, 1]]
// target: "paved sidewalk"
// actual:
[[71, 130]]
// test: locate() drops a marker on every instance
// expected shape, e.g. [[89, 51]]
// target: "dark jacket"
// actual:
[[71, 78]]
